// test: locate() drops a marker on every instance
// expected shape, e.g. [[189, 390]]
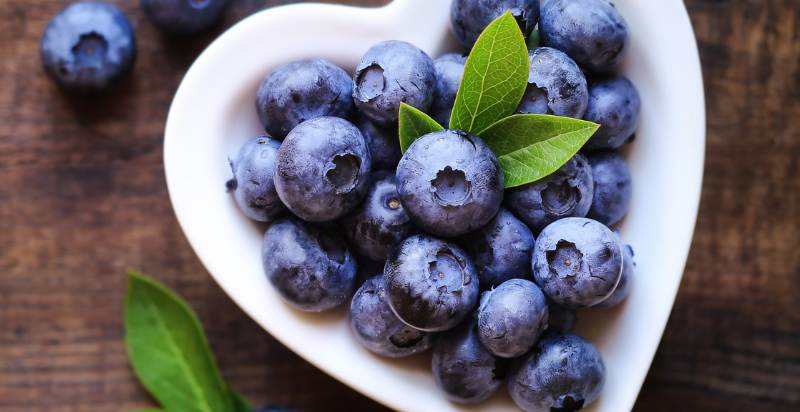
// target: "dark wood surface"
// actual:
[[83, 197]]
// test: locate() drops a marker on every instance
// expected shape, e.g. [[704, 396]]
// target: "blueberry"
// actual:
[[612, 187], [501, 250], [274, 409], [378, 328], [592, 32], [468, 18], [449, 69], [567, 192], [322, 169], [431, 284], [511, 317], [577, 262], [563, 373], [309, 266], [383, 143], [463, 368], [183, 16], [88, 46], [614, 104], [252, 184], [561, 319], [556, 85], [392, 72], [300, 91], [624, 286], [450, 182], [379, 224]]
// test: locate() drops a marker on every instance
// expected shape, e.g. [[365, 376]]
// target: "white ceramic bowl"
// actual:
[[213, 113]]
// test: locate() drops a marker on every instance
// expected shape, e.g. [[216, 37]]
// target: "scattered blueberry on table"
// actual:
[[88, 47], [183, 16]]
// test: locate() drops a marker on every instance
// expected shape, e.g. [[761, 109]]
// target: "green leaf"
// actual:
[[412, 124], [148, 410], [534, 40], [240, 404], [532, 146], [169, 351], [495, 77]]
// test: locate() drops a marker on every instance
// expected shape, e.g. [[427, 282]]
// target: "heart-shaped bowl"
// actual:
[[213, 114]]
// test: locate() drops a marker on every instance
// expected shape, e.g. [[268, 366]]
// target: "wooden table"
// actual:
[[83, 197]]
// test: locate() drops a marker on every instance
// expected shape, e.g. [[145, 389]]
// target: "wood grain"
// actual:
[[82, 198]]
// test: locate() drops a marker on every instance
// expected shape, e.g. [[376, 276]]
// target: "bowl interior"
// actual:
[[213, 114]]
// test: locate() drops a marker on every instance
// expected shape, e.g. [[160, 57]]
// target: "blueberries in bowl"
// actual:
[[310, 266], [252, 184], [577, 262], [563, 373], [389, 73], [449, 69], [322, 168], [614, 103], [378, 328], [592, 32], [511, 317], [565, 193], [432, 225], [380, 223], [183, 16], [612, 187], [431, 284], [556, 85], [468, 18], [501, 250], [300, 91], [463, 368], [450, 183], [88, 47]]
